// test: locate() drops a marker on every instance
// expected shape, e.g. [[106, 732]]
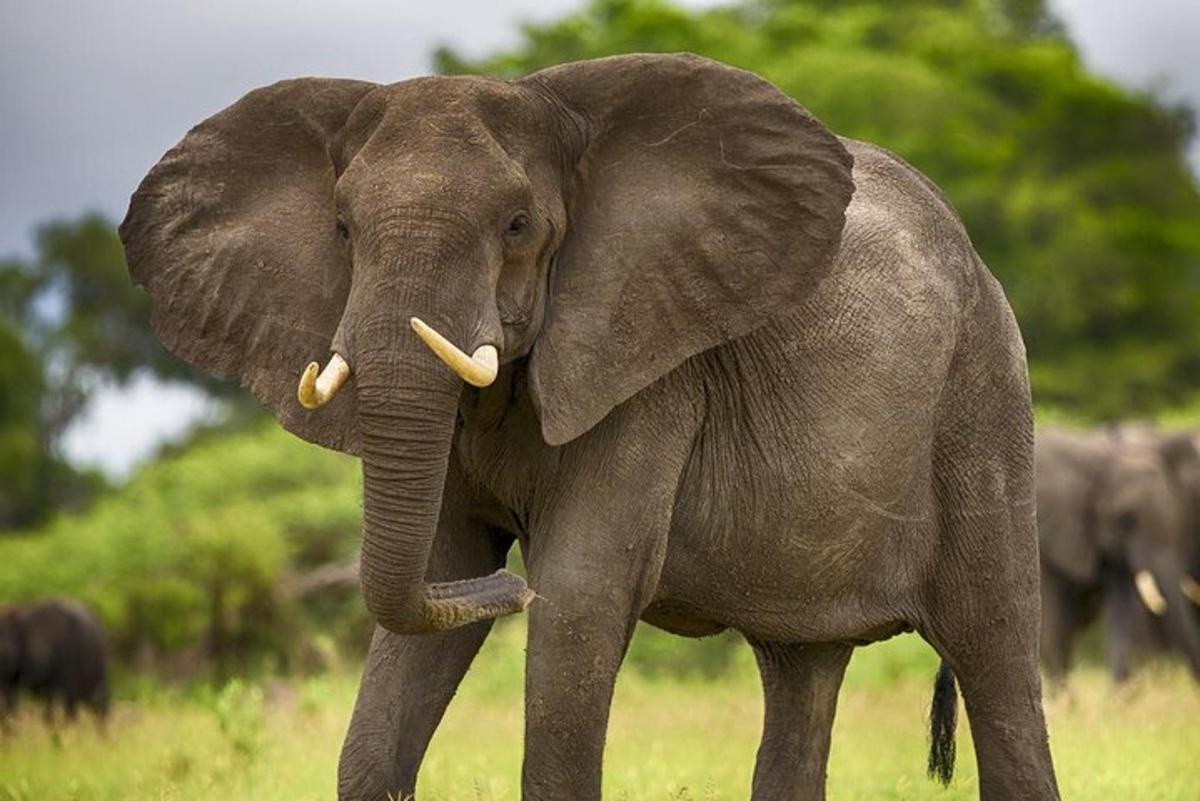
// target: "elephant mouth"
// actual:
[[318, 386]]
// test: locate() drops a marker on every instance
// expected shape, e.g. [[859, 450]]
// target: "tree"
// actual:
[[1075, 191], [71, 321]]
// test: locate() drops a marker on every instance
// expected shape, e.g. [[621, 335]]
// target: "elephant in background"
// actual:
[[1119, 524], [56, 651], [706, 363]]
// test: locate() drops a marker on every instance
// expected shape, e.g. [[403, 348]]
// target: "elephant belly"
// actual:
[[853, 575], [807, 510]]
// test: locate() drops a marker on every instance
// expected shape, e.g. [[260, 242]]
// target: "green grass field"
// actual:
[[671, 737]]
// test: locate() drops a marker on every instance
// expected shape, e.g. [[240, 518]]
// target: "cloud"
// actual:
[[1143, 45], [122, 426]]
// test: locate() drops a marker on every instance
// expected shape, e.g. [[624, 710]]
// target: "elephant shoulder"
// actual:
[[900, 224], [903, 251]]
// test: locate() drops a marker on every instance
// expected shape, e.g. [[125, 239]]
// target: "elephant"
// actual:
[[1119, 521], [55, 650], [709, 365]]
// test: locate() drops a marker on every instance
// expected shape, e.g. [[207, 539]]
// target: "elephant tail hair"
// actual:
[[943, 718]]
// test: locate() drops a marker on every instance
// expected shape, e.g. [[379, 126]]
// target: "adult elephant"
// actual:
[[56, 651], [706, 387], [1147, 515], [1119, 516]]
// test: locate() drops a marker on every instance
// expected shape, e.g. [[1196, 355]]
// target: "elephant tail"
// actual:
[[943, 717]]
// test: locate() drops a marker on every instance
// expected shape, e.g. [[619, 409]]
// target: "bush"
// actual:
[[186, 564]]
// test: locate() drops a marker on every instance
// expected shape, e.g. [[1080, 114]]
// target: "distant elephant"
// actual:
[[723, 368], [1119, 520], [56, 651]]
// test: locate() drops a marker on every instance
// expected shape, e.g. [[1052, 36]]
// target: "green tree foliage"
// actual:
[[70, 322], [23, 462], [190, 563], [84, 317], [1075, 191]]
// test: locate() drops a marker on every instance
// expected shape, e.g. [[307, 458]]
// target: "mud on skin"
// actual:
[[751, 376]]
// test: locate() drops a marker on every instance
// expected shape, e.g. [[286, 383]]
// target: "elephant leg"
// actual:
[[800, 689], [984, 622], [576, 645], [1058, 630], [407, 685], [408, 680], [594, 561], [70, 708]]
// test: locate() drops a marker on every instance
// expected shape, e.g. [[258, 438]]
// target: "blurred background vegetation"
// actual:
[[1075, 191]]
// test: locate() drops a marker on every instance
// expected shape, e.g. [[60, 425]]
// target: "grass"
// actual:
[[671, 737]]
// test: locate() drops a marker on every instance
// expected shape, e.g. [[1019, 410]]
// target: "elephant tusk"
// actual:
[[1148, 591], [315, 391], [478, 370], [1191, 588]]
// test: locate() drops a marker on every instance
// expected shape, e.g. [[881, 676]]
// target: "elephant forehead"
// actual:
[[1138, 467], [468, 106], [446, 159]]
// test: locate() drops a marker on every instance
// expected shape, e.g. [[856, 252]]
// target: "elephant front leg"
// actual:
[[800, 690], [1064, 609], [576, 644], [595, 561], [407, 684]]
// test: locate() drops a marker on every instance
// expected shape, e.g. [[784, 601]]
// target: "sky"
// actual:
[[92, 94]]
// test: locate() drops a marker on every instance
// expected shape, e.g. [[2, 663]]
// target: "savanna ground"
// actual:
[[671, 737]]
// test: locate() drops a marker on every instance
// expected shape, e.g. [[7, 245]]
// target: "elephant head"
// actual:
[[601, 222], [1147, 511]]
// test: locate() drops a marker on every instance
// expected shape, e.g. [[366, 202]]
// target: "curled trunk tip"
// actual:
[[449, 605]]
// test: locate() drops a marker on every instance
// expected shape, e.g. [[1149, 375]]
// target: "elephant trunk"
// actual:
[[1183, 629], [1161, 587], [407, 409]]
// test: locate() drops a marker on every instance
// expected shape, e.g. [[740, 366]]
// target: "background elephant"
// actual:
[[1119, 521], [56, 651], [708, 364]]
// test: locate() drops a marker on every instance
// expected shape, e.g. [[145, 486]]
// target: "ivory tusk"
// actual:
[[315, 391], [1191, 588], [478, 370], [1148, 591]]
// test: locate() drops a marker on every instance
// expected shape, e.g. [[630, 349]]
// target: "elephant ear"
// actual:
[[233, 234], [705, 202], [1181, 453]]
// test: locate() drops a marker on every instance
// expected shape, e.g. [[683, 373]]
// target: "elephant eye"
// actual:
[[342, 230], [518, 224], [1126, 522]]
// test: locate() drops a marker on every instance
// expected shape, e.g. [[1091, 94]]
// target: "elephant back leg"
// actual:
[[980, 595], [984, 622], [800, 690]]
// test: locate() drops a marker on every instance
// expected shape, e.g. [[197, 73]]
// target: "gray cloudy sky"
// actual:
[[92, 93]]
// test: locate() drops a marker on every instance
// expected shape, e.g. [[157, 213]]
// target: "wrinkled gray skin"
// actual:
[[56, 651], [1109, 505], [731, 396]]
